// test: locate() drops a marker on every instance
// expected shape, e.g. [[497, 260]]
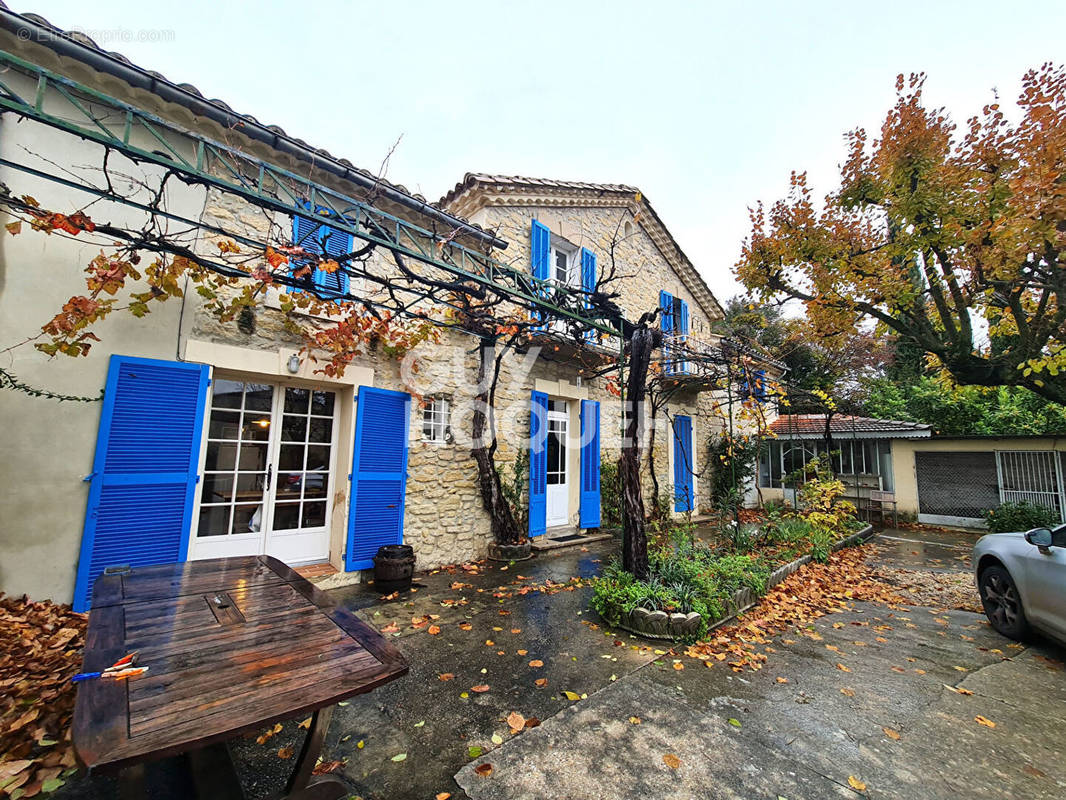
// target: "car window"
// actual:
[[1058, 536]]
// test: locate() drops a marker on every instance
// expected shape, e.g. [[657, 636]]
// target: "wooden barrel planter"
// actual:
[[394, 567]]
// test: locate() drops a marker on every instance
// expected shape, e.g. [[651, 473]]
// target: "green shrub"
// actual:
[[1020, 516]]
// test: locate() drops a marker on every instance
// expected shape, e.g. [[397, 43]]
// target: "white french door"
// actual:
[[268, 473], [558, 488]]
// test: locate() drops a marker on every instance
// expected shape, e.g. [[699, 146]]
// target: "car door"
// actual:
[[1045, 584]]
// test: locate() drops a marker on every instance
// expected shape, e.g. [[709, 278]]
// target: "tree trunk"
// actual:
[[504, 527], [634, 537]]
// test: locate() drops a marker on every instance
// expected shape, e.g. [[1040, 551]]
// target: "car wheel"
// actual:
[[1002, 603]]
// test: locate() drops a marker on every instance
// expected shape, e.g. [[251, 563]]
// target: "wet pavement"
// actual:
[[902, 729], [928, 549]]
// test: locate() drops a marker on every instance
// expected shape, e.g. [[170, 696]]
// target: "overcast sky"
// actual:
[[705, 106]]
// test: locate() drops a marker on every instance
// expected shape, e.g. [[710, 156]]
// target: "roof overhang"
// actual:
[[477, 191]]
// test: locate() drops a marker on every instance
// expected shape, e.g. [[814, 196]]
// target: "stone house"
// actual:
[[219, 439]]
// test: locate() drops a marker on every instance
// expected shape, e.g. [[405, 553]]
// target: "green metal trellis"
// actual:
[[116, 125]]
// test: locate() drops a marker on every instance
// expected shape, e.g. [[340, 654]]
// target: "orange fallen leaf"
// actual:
[[516, 630], [285, 752], [481, 687], [489, 643], [442, 796], [536, 662], [848, 692], [984, 721], [541, 682], [446, 676], [433, 630], [522, 652], [782, 680], [891, 734], [672, 761], [465, 626], [516, 721], [483, 770], [856, 784], [392, 627], [678, 665], [842, 668]]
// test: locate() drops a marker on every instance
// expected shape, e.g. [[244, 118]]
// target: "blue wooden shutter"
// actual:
[[682, 463], [539, 248], [590, 464], [760, 385], [379, 474], [335, 244], [666, 303], [144, 472], [306, 233], [682, 329], [588, 281], [538, 464]]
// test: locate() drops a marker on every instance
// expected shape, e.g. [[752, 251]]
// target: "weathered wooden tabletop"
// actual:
[[232, 645]]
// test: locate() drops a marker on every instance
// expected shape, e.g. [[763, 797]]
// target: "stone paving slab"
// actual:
[[592, 751]]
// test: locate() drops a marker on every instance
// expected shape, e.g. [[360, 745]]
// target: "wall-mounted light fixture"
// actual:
[[294, 363]]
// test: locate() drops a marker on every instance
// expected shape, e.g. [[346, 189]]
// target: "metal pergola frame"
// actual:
[[197, 159]]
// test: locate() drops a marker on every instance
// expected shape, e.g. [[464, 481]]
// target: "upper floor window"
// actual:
[[563, 263], [435, 420], [674, 325], [330, 243]]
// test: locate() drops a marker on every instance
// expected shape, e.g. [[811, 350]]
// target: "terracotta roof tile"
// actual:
[[809, 425]]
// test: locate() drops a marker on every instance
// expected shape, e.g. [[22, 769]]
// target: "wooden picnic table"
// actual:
[[233, 645]]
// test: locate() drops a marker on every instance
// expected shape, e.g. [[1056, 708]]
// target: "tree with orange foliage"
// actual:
[[937, 235]]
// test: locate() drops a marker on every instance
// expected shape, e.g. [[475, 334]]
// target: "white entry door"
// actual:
[[558, 490], [268, 473]]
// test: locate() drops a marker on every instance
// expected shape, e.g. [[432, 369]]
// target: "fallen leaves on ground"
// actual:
[[327, 767], [481, 687], [516, 721], [811, 592], [856, 784], [442, 796], [891, 734], [541, 682], [934, 589], [536, 662], [40, 649], [483, 770], [672, 761], [268, 733], [433, 630], [984, 721], [285, 752], [446, 676]]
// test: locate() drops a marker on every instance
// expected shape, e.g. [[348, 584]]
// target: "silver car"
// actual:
[[1022, 581]]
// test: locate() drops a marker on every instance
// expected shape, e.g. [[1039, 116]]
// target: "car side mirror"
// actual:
[[1039, 537]]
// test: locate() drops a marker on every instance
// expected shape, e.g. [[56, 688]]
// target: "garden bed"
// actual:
[[695, 583], [675, 625]]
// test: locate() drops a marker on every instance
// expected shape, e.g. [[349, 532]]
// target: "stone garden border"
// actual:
[[660, 625]]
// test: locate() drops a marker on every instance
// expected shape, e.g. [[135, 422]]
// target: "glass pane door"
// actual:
[[304, 459], [268, 473], [237, 464]]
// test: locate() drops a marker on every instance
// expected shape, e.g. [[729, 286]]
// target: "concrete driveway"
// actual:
[[918, 702]]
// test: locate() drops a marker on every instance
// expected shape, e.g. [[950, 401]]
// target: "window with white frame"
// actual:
[[435, 420]]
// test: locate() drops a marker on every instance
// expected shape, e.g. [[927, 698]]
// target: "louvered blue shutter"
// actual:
[[539, 247], [588, 280], [590, 464], [306, 233], [335, 244], [666, 304], [144, 472], [682, 329], [760, 385], [682, 463], [379, 474], [538, 464]]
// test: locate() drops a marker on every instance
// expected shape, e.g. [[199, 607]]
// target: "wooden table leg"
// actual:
[[312, 746], [131, 783]]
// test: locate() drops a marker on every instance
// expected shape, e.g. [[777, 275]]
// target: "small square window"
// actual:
[[435, 420]]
